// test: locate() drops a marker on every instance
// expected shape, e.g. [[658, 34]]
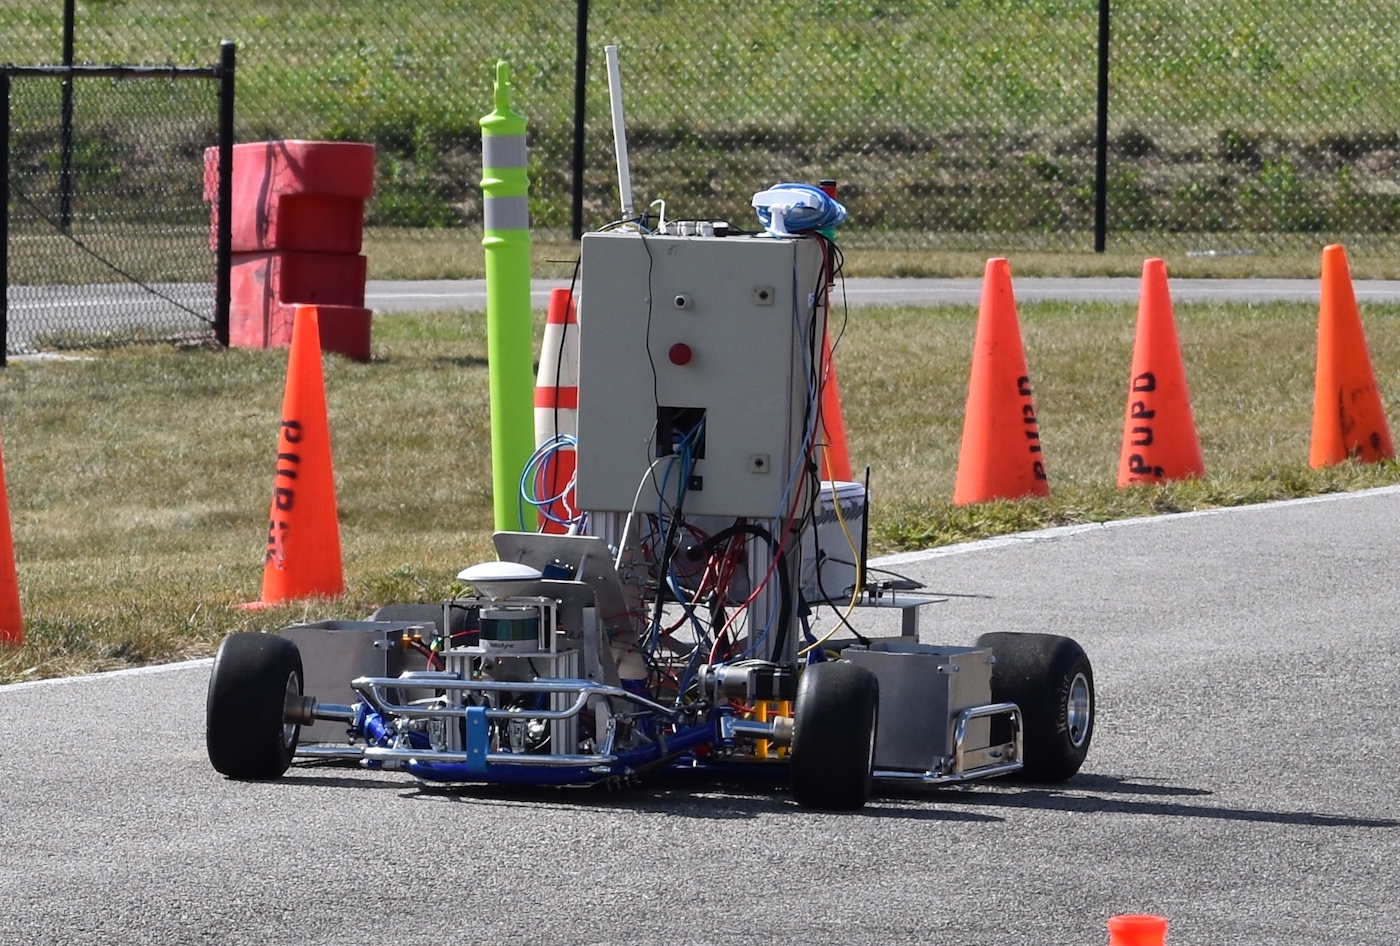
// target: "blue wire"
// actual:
[[529, 477], [683, 463]]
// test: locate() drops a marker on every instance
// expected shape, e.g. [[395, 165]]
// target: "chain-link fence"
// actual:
[[108, 235], [967, 124]]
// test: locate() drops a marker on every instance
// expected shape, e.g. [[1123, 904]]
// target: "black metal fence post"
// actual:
[[4, 216], [65, 128], [580, 100], [223, 249], [1101, 138]]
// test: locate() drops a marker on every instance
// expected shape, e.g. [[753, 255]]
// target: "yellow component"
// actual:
[[860, 577], [763, 711], [760, 713]]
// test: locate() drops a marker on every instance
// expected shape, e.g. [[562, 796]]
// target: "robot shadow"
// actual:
[[1110, 794]]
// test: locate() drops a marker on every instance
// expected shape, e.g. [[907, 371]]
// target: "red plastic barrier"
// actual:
[[298, 222], [344, 329], [296, 195], [292, 277]]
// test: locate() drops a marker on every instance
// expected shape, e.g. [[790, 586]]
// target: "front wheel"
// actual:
[[1051, 680], [833, 737], [245, 731]]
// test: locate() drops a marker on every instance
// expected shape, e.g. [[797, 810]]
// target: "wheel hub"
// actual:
[[289, 730], [1078, 710]]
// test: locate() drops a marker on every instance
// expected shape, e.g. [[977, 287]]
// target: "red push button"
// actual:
[[680, 354]]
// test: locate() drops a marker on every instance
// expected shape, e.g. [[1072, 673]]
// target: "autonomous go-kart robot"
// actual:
[[690, 604]]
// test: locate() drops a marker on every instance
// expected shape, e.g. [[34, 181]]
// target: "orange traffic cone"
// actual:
[[835, 463], [556, 414], [303, 537], [1159, 432], [11, 620], [1348, 417], [1137, 929], [1001, 455], [836, 454]]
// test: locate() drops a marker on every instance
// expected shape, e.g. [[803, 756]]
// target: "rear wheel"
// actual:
[[1051, 680], [246, 732], [833, 738]]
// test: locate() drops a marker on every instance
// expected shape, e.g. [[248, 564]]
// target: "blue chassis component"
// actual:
[[623, 765], [372, 721]]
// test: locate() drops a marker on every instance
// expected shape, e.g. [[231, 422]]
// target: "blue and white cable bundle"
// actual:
[[789, 209]]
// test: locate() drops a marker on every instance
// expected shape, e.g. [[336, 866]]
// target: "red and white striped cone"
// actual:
[[556, 411]]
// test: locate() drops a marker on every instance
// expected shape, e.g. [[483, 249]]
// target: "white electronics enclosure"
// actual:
[[702, 346]]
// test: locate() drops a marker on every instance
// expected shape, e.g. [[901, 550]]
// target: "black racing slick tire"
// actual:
[[1051, 680], [833, 737], [245, 730]]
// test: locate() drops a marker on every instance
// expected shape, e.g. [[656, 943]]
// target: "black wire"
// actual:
[[913, 583], [563, 335], [832, 263], [559, 369], [785, 609], [822, 589], [670, 536], [103, 260], [651, 312]]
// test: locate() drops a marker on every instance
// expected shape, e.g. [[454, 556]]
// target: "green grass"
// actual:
[[436, 253], [938, 65], [455, 253], [904, 377], [139, 479], [963, 117]]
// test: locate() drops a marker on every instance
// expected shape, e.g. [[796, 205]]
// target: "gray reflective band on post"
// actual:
[[503, 151], [507, 213]]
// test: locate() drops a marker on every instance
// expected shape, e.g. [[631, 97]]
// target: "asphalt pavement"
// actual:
[[1241, 782]]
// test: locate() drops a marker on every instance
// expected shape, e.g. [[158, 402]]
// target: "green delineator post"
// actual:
[[505, 187]]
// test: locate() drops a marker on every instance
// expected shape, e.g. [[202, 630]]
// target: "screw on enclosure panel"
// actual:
[[763, 295], [758, 463]]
